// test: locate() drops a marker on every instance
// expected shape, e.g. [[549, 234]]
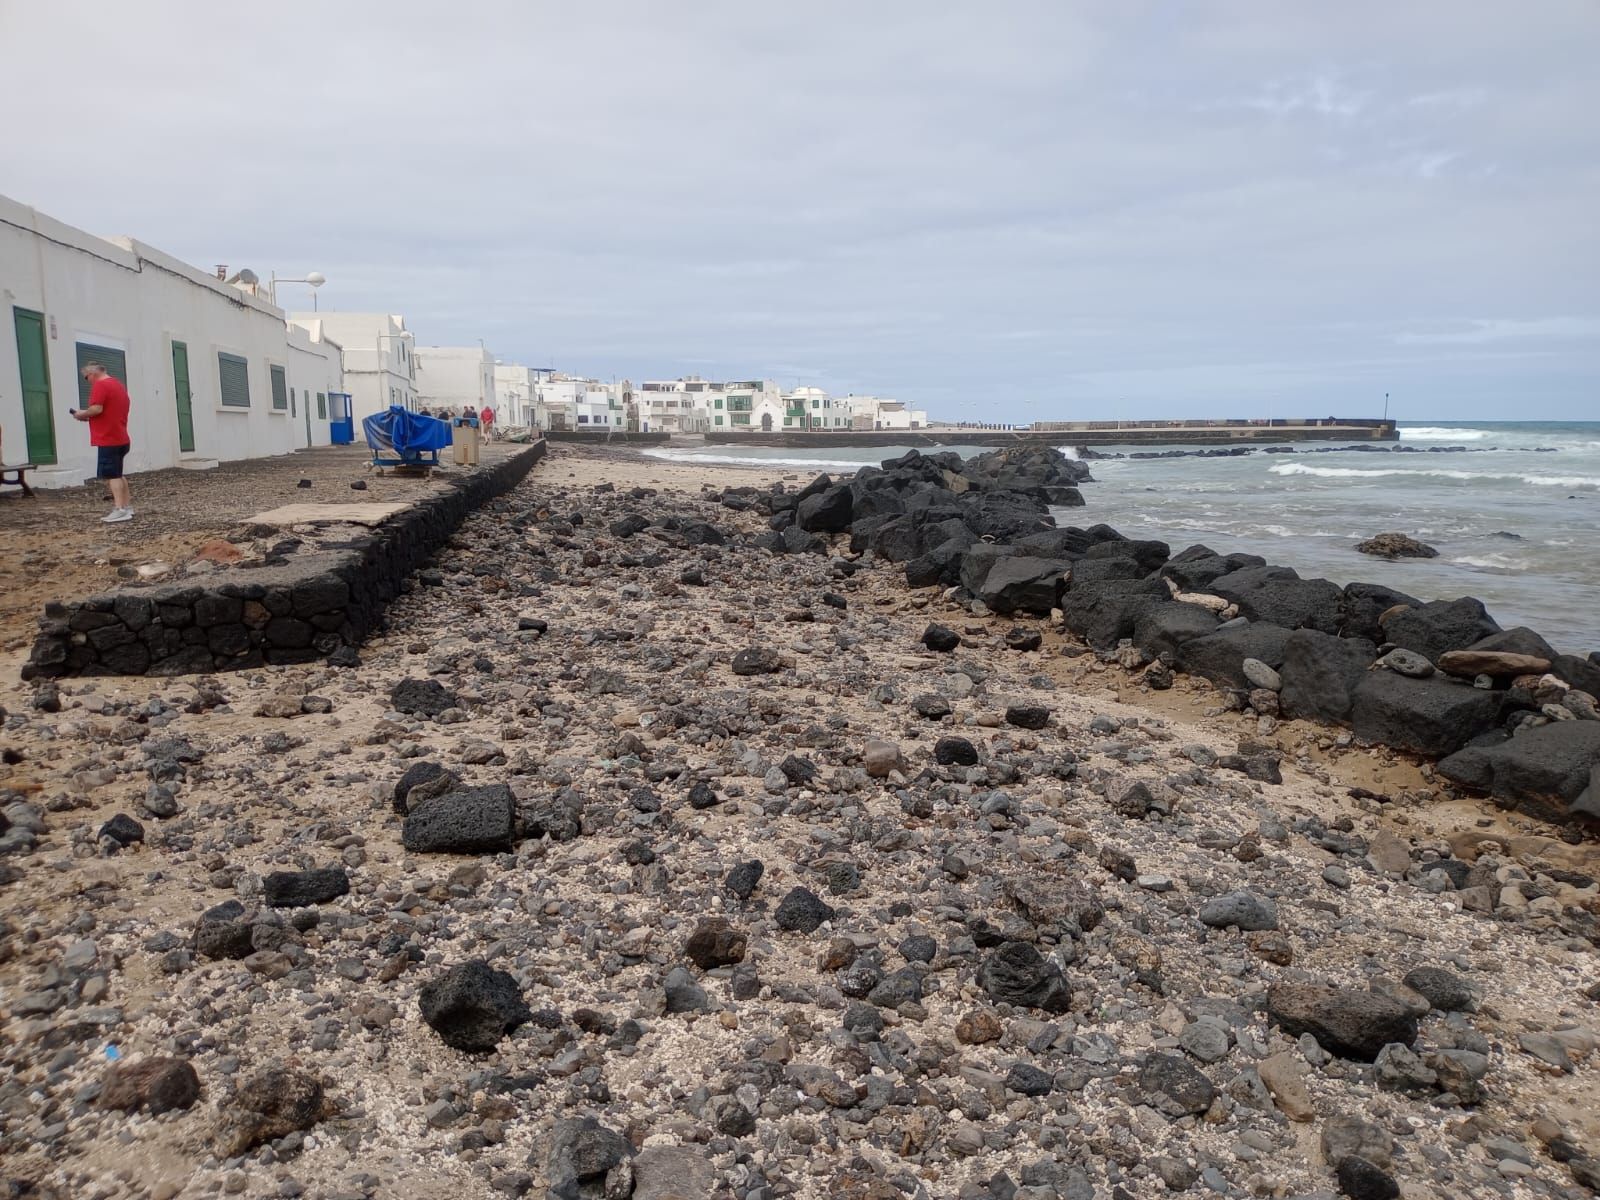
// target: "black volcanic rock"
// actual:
[[472, 1006]]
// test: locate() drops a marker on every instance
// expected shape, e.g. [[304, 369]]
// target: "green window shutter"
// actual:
[[322, 406], [280, 388], [233, 378], [718, 403], [114, 361]]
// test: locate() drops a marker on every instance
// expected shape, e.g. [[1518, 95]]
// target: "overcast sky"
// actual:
[[1007, 211]]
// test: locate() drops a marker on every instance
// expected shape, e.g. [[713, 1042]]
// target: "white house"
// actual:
[[516, 389], [559, 395], [379, 357], [599, 408], [316, 371], [875, 412], [667, 406], [213, 373], [813, 408], [455, 377], [749, 406], [573, 402]]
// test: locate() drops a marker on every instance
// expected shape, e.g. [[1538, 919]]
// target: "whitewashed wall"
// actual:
[[379, 357], [131, 297], [455, 377]]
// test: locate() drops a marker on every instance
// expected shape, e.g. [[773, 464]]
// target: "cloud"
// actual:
[[1480, 331], [961, 208]]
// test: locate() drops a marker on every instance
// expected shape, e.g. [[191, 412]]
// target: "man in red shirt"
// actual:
[[107, 417], [486, 419]]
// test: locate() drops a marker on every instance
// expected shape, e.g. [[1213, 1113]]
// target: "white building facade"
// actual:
[[516, 390], [380, 367], [571, 402], [455, 377], [809, 408], [672, 406], [213, 373], [876, 412], [748, 406]]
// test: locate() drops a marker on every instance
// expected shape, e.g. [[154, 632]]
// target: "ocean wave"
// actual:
[[1566, 481], [1284, 531], [1438, 433], [691, 457], [1491, 562]]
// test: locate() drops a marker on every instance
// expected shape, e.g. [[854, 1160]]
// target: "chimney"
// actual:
[[222, 271]]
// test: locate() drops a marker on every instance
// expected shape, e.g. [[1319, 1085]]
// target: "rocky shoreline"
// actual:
[[1504, 711], [655, 850]]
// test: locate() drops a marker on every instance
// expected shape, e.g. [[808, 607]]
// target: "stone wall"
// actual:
[[614, 437], [304, 609]]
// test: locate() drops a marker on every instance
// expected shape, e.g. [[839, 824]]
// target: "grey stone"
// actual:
[[1350, 1023], [1175, 1086], [1258, 674], [1408, 663], [1206, 1040], [582, 1151], [1444, 989], [672, 1173], [1243, 909]]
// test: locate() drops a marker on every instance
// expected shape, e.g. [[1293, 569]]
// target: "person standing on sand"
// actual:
[[107, 418], [486, 418]]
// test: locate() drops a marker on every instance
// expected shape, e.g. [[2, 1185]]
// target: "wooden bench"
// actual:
[[17, 474]]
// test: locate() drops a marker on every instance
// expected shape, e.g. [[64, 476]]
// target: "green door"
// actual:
[[38, 424], [180, 389]]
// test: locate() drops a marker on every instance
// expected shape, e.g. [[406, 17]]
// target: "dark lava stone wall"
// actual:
[[301, 610]]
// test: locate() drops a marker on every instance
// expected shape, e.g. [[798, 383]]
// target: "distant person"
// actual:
[[107, 417], [487, 418]]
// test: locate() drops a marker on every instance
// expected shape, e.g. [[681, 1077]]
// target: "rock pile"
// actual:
[[1438, 679]]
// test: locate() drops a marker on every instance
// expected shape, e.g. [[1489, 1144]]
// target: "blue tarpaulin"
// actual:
[[404, 433]]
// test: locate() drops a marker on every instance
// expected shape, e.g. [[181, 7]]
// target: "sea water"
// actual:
[[1512, 507]]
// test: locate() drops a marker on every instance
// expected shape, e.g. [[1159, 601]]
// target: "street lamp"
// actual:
[[315, 278]]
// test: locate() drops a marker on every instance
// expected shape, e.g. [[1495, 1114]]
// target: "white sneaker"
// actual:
[[116, 515]]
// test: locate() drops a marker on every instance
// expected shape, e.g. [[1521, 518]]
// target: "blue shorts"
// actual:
[[111, 461]]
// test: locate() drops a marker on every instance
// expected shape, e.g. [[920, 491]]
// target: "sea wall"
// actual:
[[1075, 434], [307, 607], [595, 437], [1498, 711]]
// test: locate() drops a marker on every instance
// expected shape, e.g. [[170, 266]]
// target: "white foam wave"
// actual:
[[1491, 562], [1438, 433], [1069, 452], [691, 457], [1566, 481]]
